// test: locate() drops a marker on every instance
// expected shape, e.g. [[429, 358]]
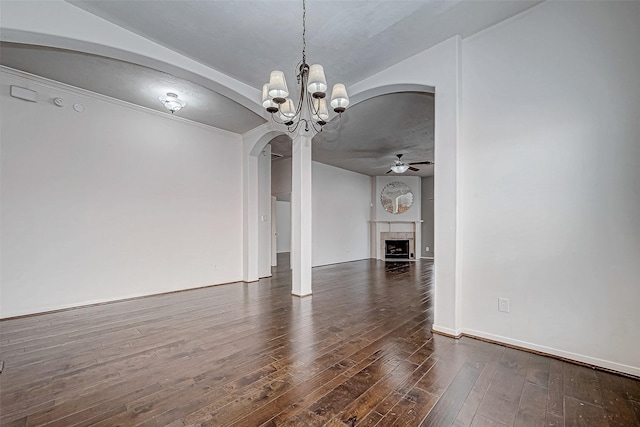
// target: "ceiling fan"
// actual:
[[400, 167]]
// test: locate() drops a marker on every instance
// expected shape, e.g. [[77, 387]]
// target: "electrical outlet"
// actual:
[[503, 305], [215, 267], [427, 248]]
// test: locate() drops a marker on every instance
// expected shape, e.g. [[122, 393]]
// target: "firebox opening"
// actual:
[[398, 249]]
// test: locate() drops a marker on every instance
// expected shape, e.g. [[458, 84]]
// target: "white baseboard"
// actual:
[[606, 364], [446, 331]]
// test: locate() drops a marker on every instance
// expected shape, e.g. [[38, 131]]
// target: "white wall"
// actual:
[[283, 226], [549, 168], [111, 203], [264, 212], [281, 176], [341, 214], [427, 228]]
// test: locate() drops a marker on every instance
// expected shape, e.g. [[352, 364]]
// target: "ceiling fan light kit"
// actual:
[[401, 167], [312, 106]]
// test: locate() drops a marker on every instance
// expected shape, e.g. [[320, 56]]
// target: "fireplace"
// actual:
[[381, 231], [396, 249]]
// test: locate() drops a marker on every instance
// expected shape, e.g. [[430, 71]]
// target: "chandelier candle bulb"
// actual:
[[339, 98], [320, 110], [267, 102], [317, 81], [288, 110], [278, 87]]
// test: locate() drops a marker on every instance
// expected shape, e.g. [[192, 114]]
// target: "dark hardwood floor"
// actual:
[[358, 352]]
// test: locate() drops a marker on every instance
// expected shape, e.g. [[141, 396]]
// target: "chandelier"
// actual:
[[312, 103]]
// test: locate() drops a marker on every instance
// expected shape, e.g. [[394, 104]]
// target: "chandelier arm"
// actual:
[[275, 120], [312, 108], [337, 127], [294, 127], [315, 127], [315, 113]]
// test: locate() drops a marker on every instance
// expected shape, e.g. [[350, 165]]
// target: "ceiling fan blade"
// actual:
[[428, 162], [389, 171], [413, 169]]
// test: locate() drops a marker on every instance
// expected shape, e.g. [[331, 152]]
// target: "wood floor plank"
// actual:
[[373, 418], [407, 385], [555, 398], [502, 399], [366, 402], [618, 408], [581, 384], [482, 421], [636, 410], [533, 402], [298, 398], [359, 351], [331, 405], [411, 409], [464, 418], [631, 387], [583, 414], [446, 410], [552, 420], [538, 370]]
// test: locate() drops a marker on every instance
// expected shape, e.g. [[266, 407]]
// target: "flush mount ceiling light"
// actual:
[[312, 103], [172, 103]]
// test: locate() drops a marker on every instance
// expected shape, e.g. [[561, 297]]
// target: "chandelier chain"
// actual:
[[304, 32]]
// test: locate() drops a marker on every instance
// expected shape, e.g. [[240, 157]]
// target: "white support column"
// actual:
[[250, 219], [301, 214]]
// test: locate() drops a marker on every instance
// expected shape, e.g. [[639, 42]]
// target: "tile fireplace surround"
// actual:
[[395, 230]]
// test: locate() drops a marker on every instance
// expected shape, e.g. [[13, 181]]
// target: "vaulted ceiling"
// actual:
[[247, 39]]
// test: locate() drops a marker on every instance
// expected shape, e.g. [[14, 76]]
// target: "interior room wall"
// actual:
[[283, 218], [427, 228], [340, 216], [281, 176], [549, 154], [264, 211], [111, 203]]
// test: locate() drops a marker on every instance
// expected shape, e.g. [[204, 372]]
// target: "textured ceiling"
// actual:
[[247, 39], [373, 132], [352, 39]]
